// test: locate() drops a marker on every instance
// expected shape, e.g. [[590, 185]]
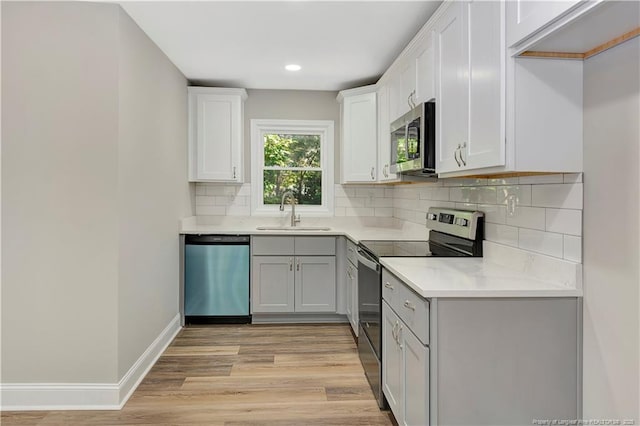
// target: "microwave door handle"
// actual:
[[406, 140]]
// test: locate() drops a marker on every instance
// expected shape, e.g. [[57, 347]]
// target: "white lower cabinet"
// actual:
[[405, 371], [272, 283], [313, 291]]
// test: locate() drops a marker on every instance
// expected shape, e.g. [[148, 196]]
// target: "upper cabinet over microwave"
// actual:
[[215, 134]]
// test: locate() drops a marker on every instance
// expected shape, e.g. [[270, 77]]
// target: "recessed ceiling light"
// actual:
[[293, 67]]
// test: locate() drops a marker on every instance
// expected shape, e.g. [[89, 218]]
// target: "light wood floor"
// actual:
[[243, 375]]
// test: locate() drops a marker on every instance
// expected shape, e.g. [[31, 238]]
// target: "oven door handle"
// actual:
[[365, 259]]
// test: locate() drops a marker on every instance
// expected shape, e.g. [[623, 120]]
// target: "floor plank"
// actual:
[[233, 375]]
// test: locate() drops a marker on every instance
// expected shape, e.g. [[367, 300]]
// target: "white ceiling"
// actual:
[[339, 45]]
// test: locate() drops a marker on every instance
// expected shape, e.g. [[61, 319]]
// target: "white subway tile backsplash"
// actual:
[[548, 216], [503, 181], [238, 211], [573, 248], [359, 211], [521, 192], [205, 200], [473, 194], [540, 179], [502, 234], [557, 195], [541, 242], [564, 221], [383, 211], [339, 211], [211, 210], [528, 217], [494, 213]]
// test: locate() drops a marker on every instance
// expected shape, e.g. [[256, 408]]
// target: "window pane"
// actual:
[[305, 184], [282, 150]]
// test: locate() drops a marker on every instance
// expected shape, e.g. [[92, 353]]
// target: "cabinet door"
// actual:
[[392, 362], [354, 300], [416, 379], [397, 100], [525, 17], [486, 140], [359, 138], [315, 284], [452, 85], [425, 70], [218, 133], [349, 292], [384, 137], [272, 283]]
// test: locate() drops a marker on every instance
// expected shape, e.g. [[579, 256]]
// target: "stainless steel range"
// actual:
[[453, 233]]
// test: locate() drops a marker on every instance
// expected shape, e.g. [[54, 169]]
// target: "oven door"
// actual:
[[370, 299]]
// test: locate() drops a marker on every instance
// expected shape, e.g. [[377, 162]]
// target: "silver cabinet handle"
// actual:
[[384, 170], [388, 285], [455, 155], [234, 172], [394, 333], [291, 264], [350, 249], [398, 333], [409, 305], [373, 177], [409, 101], [464, 145], [298, 265]]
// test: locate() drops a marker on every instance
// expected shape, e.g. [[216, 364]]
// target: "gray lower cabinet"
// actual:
[[293, 283], [480, 361], [351, 291], [405, 372], [273, 284]]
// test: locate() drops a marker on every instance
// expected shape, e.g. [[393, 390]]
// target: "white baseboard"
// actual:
[[87, 396]]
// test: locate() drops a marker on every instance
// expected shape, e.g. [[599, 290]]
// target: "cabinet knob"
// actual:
[[373, 176], [455, 155], [291, 264], [388, 285], [234, 172], [298, 265]]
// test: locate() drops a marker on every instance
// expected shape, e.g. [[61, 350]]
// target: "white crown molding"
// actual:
[[87, 396]]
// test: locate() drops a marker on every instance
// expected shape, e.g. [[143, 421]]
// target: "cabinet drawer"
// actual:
[[351, 253], [272, 246], [318, 246], [410, 307]]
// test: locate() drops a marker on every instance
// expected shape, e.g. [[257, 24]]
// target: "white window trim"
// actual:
[[325, 129]]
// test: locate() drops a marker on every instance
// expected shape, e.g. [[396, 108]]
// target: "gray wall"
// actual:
[[153, 190], [291, 105], [59, 192], [611, 238], [93, 186]]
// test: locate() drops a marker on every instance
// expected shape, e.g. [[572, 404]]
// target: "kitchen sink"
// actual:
[[293, 228]]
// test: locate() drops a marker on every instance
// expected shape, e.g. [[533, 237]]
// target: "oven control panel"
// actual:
[[463, 223]]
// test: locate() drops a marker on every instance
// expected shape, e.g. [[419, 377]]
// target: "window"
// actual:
[[292, 155]]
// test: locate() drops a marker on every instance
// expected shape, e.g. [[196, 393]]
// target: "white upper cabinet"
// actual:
[[425, 70], [384, 137], [216, 134], [452, 87], [359, 134], [486, 143], [525, 17], [470, 88]]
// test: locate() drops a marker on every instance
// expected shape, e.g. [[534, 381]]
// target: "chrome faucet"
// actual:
[[292, 201]]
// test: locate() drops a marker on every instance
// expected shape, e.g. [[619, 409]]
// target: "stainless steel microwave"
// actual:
[[413, 141]]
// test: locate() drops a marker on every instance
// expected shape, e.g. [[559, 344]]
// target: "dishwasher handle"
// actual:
[[217, 239], [367, 260]]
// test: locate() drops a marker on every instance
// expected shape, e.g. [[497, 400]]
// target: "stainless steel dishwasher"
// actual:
[[216, 277]]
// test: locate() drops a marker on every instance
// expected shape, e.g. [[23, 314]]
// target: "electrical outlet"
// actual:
[[512, 201]]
